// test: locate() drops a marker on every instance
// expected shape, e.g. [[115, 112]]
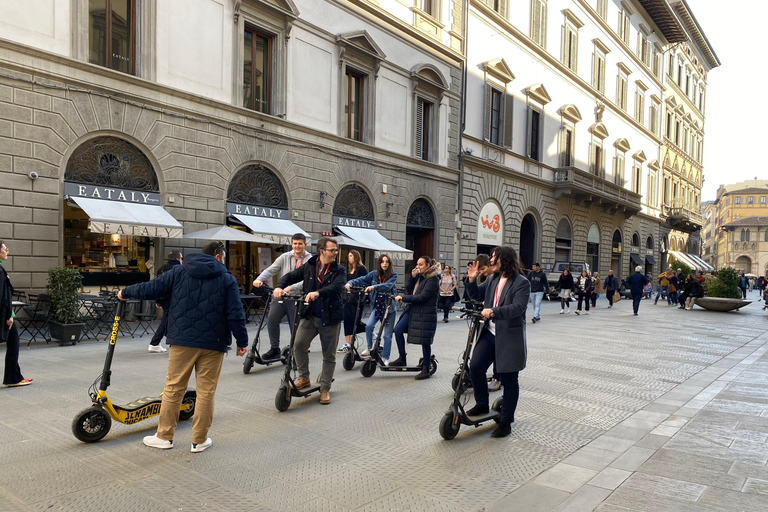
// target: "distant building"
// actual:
[[740, 214]]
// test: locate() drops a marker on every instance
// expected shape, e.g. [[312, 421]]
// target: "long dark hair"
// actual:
[[384, 275], [510, 264], [357, 261]]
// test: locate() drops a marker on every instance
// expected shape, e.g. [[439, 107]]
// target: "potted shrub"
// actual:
[[721, 291], [63, 288]]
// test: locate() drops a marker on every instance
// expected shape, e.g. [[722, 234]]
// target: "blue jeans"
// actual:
[[483, 356], [536, 298], [658, 294], [402, 328], [672, 296], [388, 328]]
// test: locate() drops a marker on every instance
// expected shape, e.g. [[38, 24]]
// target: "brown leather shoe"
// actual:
[[325, 397], [301, 383]]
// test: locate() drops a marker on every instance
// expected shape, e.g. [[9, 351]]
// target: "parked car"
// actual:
[[553, 274]]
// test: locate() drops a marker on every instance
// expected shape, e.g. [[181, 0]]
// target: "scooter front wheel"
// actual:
[[91, 424], [190, 397], [282, 399], [284, 355], [349, 361], [248, 362], [368, 368], [449, 426], [432, 366]]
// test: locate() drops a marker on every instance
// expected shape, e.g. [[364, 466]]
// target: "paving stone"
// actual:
[[592, 458], [733, 500], [565, 477], [585, 499], [610, 478], [632, 458], [531, 498]]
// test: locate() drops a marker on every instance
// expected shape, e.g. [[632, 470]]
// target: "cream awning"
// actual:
[[279, 231], [135, 219], [373, 240]]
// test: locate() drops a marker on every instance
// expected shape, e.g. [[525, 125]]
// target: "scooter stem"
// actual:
[[107, 373]]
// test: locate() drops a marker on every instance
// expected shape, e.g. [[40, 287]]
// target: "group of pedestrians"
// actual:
[[680, 290], [585, 289]]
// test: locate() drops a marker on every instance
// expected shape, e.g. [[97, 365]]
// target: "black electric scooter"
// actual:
[[377, 361], [92, 424], [456, 415], [353, 356], [253, 356], [287, 389], [461, 378]]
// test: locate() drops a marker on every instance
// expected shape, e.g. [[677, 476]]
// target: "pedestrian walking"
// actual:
[[539, 288], [420, 320], [381, 280], [636, 282], [743, 284], [9, 333], [287, 262], [355, 269], [204, 309], [447, 286], [583, 292], [672, 289], [502, 340], [596, 288], [174, 258], [565, 287], [322, 281], [664, 278], [611, 286]]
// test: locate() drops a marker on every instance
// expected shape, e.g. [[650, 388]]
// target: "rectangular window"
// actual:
[[669, 125], [763, 199], [680, 73], [636, 175], [428, 6], [597, 161], [640, 105], [618, 172], [539, 22], [257, 70], [685, 140], [750, 199], [496, 100], [534, 149], [621, 91], [688, 85], [671, 67], [112, 34], [568, 147], [424, 129], [645, 51], [656, 63], [353, 105], [602, 8], [624, 27], [653, 118], [666, 191], [598, 71], [677, 133], [570, 47]]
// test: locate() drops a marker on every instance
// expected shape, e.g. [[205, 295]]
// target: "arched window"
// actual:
[[635, 240], [256, 185], [649, 243], [353, 202], [563, 241], [111, 162]]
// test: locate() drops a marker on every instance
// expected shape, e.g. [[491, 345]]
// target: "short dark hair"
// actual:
[[483, 260], [174, 255], [214, 248], [428, 259], [536, 265], [510, 264], [323, 242], [299, 236]]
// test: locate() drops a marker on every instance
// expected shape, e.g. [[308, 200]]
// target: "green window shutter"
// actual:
[[419, 132], [508, 117], [487, 113]]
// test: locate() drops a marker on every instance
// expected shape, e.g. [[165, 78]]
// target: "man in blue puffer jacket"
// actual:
[[204, 309]]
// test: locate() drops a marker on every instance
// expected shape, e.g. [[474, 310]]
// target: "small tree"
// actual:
[[682, 266], [63, 287], [724, 283]]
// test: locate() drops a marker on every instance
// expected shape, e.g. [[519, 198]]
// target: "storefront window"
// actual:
[[111, 34]]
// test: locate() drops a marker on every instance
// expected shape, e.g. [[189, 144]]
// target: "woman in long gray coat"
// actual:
[[502, 339]]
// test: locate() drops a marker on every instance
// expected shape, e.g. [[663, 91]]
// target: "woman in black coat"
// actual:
[[355, 269], [502, 339], [584, 289], [420, 320], [565, 288], [8, 332]]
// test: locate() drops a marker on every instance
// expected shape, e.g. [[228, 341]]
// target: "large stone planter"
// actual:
[[721, 304], [65, 333]]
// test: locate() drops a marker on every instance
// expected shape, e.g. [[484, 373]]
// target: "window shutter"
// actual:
[[503, 8], [602, 76], [508, 117], [528, 137], [487, 114], [419, 132], [591, 158], [536, 21], [574, 51]]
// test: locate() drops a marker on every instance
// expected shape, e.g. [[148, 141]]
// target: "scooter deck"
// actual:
[[482, 418], [267, 362], [138, 404], [399, 368], [305, 392]]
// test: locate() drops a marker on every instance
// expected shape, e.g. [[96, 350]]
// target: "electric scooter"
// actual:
[[253, 356], [287, 389], [353, 356], [461, 378], [456, 416], [377, 361], [92, 424]]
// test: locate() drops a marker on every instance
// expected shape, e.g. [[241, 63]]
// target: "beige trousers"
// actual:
[[181, 362]]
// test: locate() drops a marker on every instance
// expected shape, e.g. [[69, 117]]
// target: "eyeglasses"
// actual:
[[331, 250]]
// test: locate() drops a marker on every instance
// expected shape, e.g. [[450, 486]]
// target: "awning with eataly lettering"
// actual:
[[133, 219]]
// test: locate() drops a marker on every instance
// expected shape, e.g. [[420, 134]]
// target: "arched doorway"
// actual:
[[527, 250], [744, 263], [634, 254], [257, 195], [616, 250], [563, 241], [593, 248], [419, 232]]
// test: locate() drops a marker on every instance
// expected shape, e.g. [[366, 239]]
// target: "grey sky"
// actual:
[[733, 129]]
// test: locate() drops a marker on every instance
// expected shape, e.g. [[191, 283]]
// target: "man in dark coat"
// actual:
[[174, 258], [322, 284], [204, 309], [636, 282], [611, 284], [502, 339]]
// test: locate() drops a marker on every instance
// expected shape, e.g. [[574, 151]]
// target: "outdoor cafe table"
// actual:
[[249, 303]]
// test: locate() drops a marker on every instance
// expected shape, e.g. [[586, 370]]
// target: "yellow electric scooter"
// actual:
[[92, 424]]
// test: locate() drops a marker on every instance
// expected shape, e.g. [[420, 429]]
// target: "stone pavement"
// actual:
[[664, 411]]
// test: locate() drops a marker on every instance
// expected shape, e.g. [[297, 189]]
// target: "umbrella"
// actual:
[[227, 233], [750, 275]]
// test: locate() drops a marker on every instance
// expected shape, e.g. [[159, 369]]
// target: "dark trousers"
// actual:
[[350, 312], [743, 292], [483, 356], [276, 313], [445, 303], [583, 297], [161, 329], [12, 373], [401, 328], [636, 301], [595, 296]]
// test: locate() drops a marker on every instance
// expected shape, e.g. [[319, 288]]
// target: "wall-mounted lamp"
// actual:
[[323, 195], [389, 205]]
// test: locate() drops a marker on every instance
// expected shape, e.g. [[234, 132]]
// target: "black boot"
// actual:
[[400, 361], [478, 410], [423, 374], [272, 353], [503, 430]]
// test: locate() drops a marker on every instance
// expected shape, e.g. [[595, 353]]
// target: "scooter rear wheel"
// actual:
[[91, 424], [284, 355], [248, 362], [368, 368], [496, 406], [432, 366], [190, 397], [282, 399], [449, 427], [348, 361]]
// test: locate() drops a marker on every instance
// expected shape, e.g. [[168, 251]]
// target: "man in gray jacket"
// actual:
[[284, 264]]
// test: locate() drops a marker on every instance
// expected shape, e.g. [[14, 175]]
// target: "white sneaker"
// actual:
[[156, 442], [157, 348], [569, 310], [562, 311], [586, 312], [385, 361], [197, 448], [365, 353], [344, 349]]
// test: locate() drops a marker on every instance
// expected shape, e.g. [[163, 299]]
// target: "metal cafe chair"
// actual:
[[144, 317], [36, 322]]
